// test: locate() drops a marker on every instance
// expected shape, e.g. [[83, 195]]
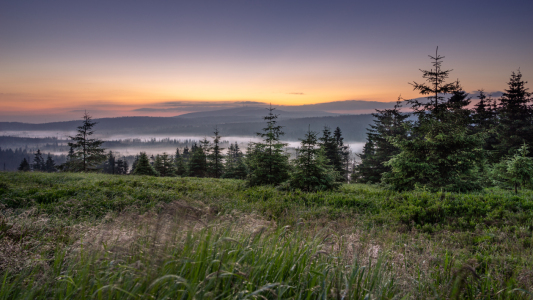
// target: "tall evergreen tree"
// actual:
[[38, 162], [441, 153], [344, 153], [143, 166], [186, 155], [516, 170], [50, 165], [267, 162], [329, 144], [164, 165], [110, 164], [24, 166], [87, 151], [516, 117], [388, 124], [311, 169], [435, 89], [484, 119], [122, 166], [134, 164], [235, 167], [216, 158], [197, 166], [181, 170], [364, 171]]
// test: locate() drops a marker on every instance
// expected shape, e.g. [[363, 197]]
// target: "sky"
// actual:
[[165, 58]]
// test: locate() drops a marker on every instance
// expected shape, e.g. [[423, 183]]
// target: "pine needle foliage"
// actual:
[[88, 153], [38, 162], [215, 157], [235, 167], [164, 165], [388, 124], [441, 153], [267, 162], [143, 166], [311, 171], [515, 117], [515, 171], [181, 170]]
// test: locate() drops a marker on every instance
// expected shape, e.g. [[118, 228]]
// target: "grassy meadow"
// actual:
[[96, 236]]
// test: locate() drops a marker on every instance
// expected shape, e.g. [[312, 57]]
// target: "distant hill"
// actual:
[[230, 122], [253, 113]]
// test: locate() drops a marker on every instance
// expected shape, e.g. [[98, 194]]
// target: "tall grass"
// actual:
[[437, 245], [209, 264]]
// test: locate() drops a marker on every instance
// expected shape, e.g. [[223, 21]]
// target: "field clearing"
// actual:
[[119, 237]]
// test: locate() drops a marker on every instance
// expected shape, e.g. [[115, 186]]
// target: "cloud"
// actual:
[[150, 109], [177, 106], [295, 93], [496, 94]]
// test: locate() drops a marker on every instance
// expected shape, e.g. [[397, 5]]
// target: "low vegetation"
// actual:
[[74, 235]]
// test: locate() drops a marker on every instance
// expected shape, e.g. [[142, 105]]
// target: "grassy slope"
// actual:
[[433, 242]]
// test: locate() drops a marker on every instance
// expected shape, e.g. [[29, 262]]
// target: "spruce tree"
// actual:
[[143, 166], [235, 167], [88, 153], [50, 165], [180, 165], [186, 155], [267, 162], [344, 153], [516, 170], [484, 119], [364, 171], [516, 117], [24, 166], [442, 153], [134, 164], [197, 162], [110, 164], [165, 165], [38, 162], [329, 144], [388, 124], [122, 166], [216, 158], [311, 169]]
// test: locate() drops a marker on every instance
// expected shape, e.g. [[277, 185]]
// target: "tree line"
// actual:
[[449, 145], [321, 162]]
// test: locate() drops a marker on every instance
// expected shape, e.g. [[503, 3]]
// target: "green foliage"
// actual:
[[215, 163], [38, 162], [235, 167], [110, 164], [441, 153], [332, 151], [164, 165], [515, 117], [311, 171], [267, 163], [181, 170], [433, 237], [388, 124], [24, 166], [87, 153], [50, 165], [445, 157], [514, 171], [143, 166], [197, 163]]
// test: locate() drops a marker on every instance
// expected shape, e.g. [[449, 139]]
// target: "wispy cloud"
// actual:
[[295, 93]]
